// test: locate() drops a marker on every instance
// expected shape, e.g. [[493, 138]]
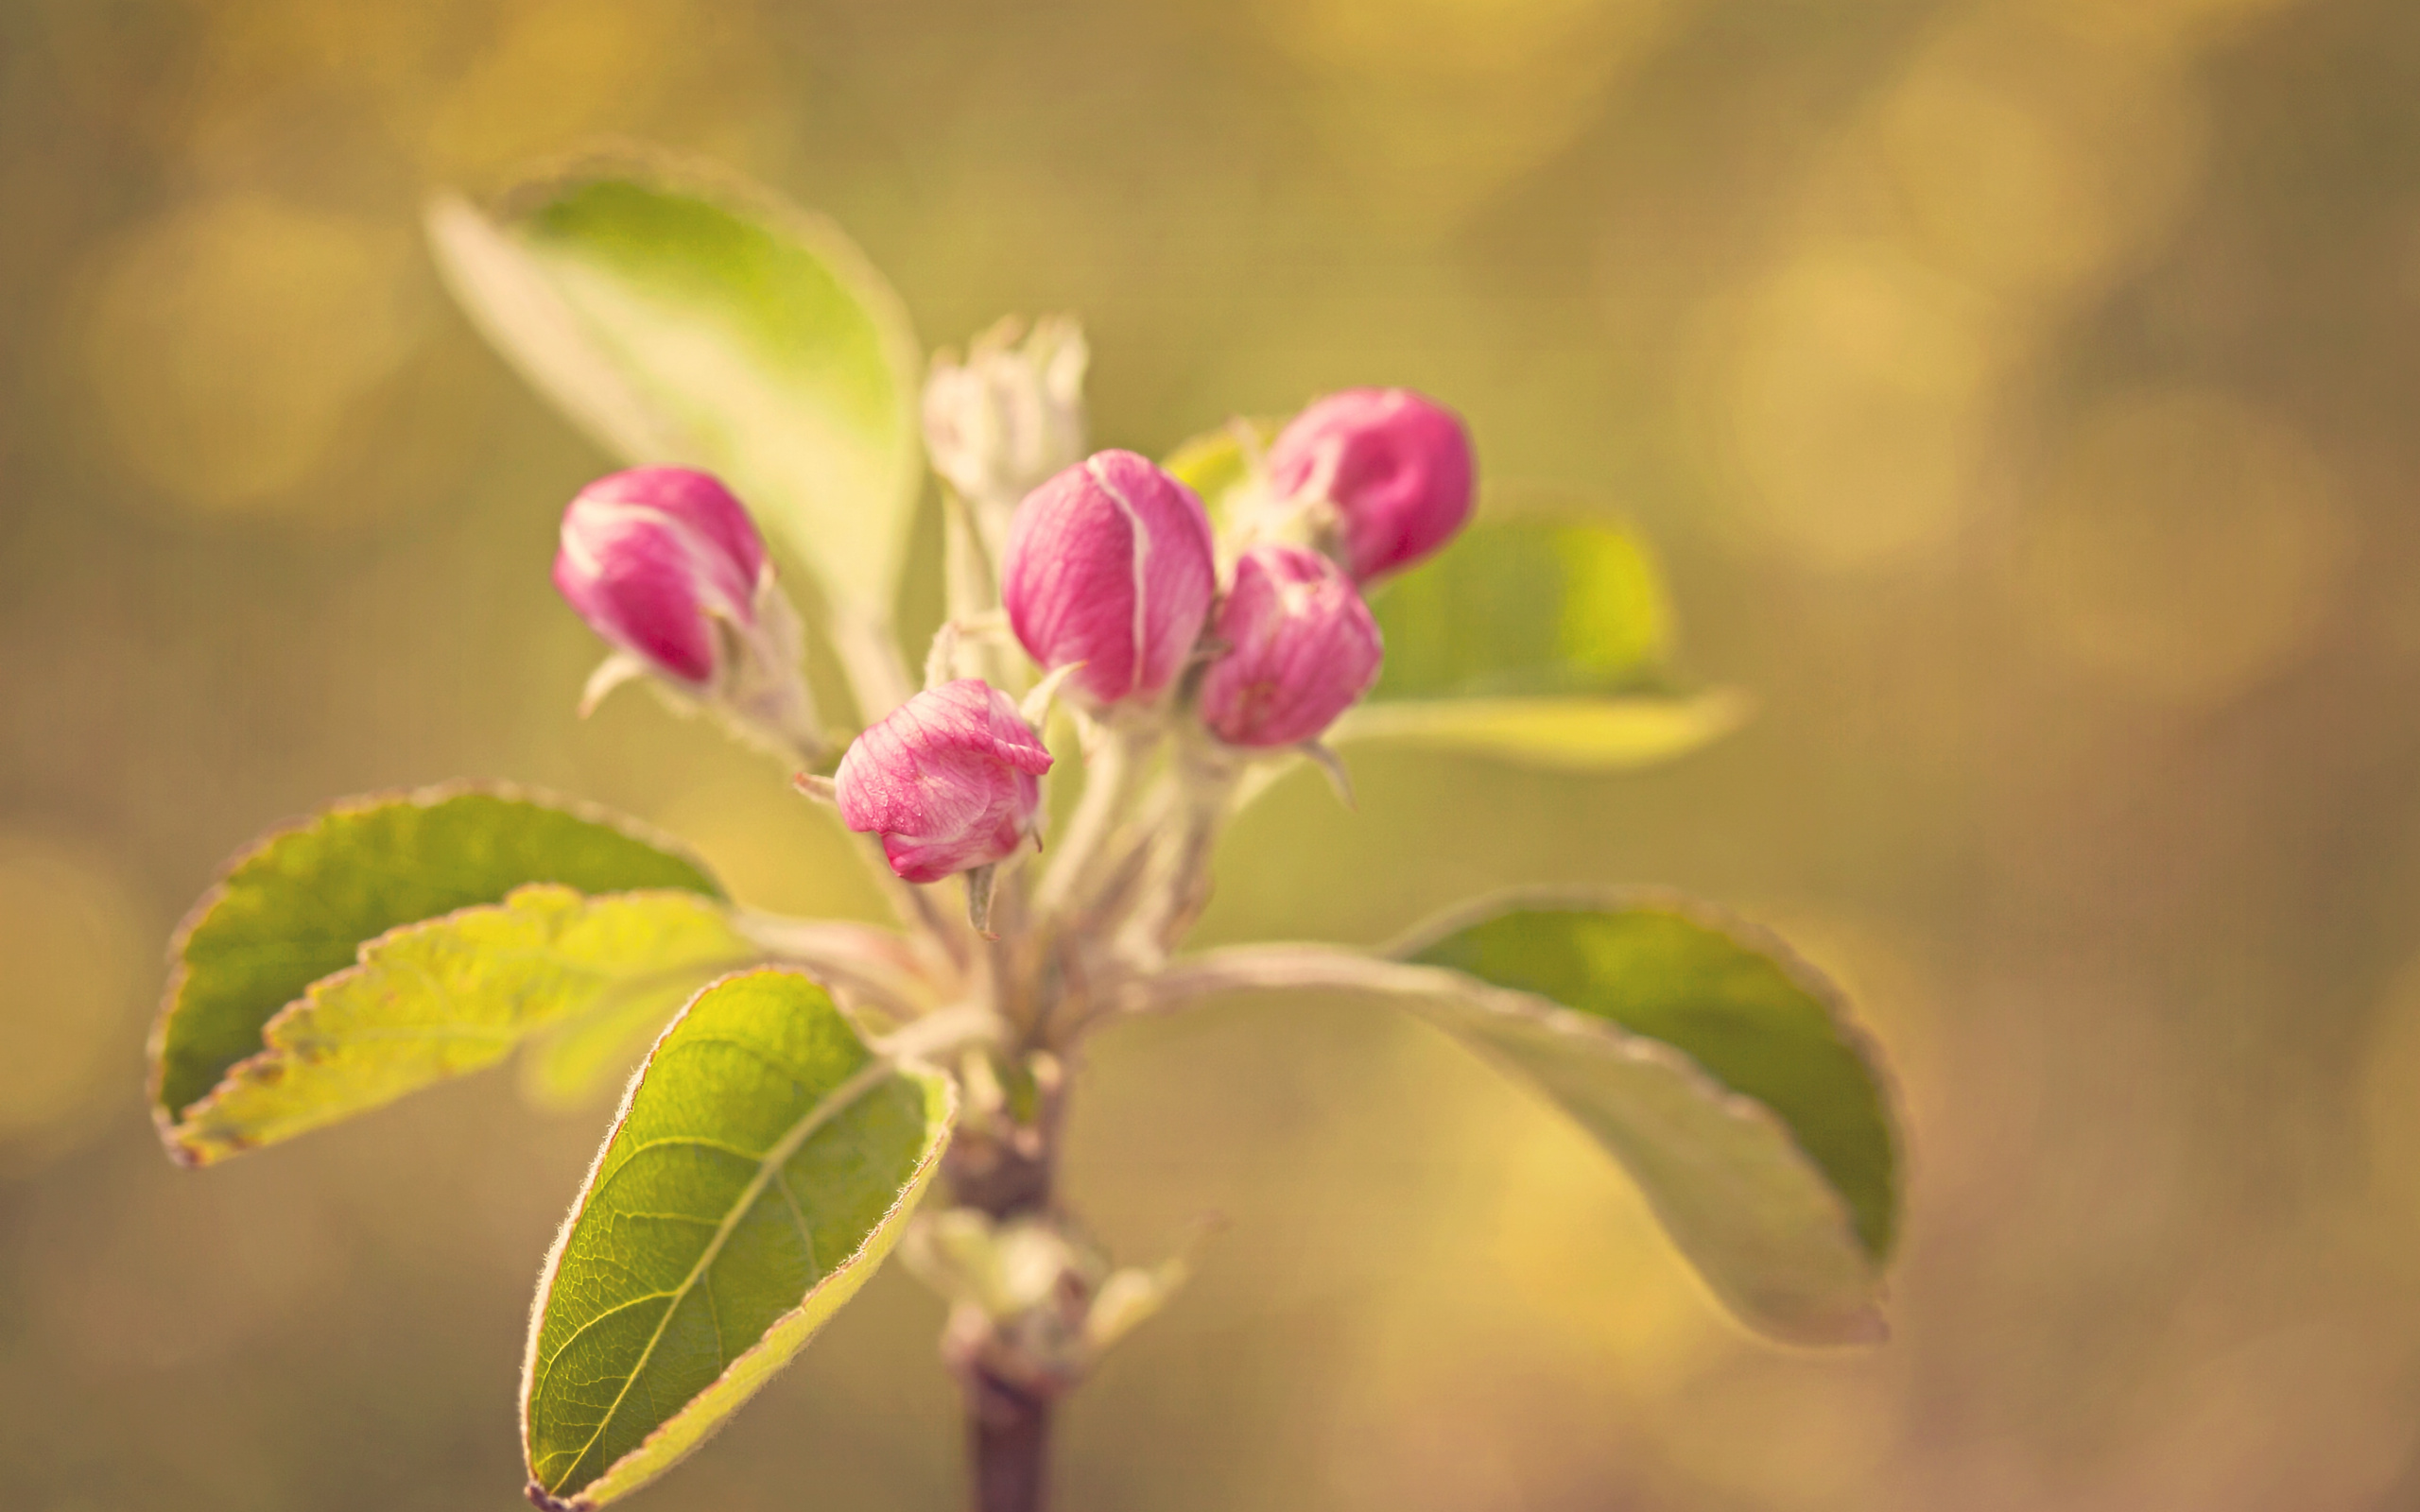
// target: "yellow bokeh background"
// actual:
[[2020, 392]]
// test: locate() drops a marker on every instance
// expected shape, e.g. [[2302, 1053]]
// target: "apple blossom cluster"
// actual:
[[1109, 579]]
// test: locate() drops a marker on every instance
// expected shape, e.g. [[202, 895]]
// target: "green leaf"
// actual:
[[681, 318], [1721, 1071], [1215, 464], [1574, 734], [1532, 638], [1540, 640], [764, 1163], [300, 902], [1526, 607], [575, 1062], [454, 994]]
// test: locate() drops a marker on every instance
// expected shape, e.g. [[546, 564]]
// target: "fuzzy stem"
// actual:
[[915, 907], [868, 649], [1184, 841], [972, 595], [1114, 764]]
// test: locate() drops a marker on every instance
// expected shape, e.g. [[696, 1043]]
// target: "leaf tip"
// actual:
[[185, 1156]]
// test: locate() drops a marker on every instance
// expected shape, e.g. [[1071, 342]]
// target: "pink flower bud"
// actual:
[[1302, 648], [947, 781], [1109, 564], [1396, 464], [652, 556]]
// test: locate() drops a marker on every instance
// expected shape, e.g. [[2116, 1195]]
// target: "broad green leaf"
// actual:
[[300, 902], [683, 320], [1538, 640], [1661, 994], [454, 994], [764, 1163], [1661, 1029]]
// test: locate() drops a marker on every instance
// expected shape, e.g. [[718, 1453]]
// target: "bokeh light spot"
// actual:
[[2023, 170], [2185, 545], [556, 72], [1849, 390], [228, 342], [80, 954], [1437, 102]]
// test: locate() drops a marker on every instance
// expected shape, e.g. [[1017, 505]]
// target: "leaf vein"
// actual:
[[826, 1108]]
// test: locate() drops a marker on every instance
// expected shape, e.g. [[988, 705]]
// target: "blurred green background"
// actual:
[[2022, 395]]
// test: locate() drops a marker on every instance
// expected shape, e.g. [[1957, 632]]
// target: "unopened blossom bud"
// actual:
[[1302, 648], [1394, 465], [1109, 564], [664, 563], [652, 557], [947, 780], [1009, 415]]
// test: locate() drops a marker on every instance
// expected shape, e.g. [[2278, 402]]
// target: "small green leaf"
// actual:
[[764, 1163], [1538, 640], [1794, 1232], [680, 319], [300, 902], [454, 994]]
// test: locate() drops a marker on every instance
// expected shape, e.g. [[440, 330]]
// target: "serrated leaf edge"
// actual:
[[186, 1152], [846, 1269], [156, 1042]]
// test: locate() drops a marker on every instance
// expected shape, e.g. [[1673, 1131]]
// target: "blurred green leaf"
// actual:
[[1217, 463], [1766, 1142], [300, 904], [685, 319], [1538, 640], [1718, 1068], [763, 1165], [1579, 734], [454, 994], [1524, 606], [1535, 639]]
